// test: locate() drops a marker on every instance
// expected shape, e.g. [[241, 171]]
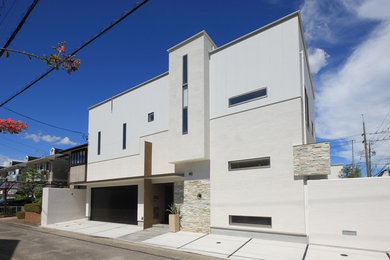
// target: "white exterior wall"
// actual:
[[59, 205], [267, 192], [306, 83], [360, 204], [194, 144], [131, 108], [268, 59]]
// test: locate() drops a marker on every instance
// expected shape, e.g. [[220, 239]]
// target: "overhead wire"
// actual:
[[126, 14]]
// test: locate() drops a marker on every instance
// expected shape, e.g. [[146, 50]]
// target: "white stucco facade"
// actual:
[[272, 58]]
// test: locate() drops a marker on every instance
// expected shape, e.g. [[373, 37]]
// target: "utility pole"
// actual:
[[353, 161], [368, 169]]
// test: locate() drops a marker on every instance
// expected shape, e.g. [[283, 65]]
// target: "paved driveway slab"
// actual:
[[96, 228], [174, 240], [324, 253], [269, 249], [216, 245]]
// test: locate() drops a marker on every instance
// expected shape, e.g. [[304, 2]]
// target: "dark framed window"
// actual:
[[250, 221], [124, 136], [99, 141], [185, 95], [78, 157], [250, 96], [264, 162], [151, 117], [307, 109], [185, 69]]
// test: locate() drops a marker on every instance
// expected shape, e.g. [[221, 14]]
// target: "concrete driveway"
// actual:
[[96, 228], [227, 247]]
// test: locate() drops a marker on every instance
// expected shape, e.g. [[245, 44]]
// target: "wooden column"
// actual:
[[148, 188]]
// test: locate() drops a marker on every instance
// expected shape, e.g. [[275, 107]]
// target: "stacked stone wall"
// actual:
[[311, 159]]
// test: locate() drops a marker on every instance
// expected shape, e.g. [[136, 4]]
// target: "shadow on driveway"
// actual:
[[7, 248]]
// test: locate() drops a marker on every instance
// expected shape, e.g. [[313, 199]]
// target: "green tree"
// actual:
[[351, 171], [30, 188]]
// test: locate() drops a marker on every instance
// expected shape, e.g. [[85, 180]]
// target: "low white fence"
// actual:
[[351, 213], [59, 205]]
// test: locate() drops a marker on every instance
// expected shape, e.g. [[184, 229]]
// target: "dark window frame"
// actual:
[[262, 221], [124, 132], [249, 161], [99, 142], [78, 157], [150, 117], [307, 116], [185, 90], [248, 97]]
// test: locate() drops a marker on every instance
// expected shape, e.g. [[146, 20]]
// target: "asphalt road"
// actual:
[[21, 241]]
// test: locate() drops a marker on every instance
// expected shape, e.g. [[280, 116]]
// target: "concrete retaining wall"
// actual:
[[60, 205], [350, 213]]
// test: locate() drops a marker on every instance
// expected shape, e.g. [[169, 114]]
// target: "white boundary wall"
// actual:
[[360, 205], [60, 205]]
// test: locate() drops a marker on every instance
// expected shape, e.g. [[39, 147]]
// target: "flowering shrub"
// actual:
[[57, 60], [11, 126]]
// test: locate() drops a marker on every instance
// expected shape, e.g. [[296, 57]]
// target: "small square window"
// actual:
[[151, 117]]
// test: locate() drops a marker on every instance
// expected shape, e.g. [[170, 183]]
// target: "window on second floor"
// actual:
[[78, 157], [247, 97], [124, 136], [185, 96], [98, 143], [307, 116], [151, 117]]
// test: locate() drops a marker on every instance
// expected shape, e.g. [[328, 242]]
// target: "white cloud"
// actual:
[[66, 141], [317, 59], [50, 139], [360, 85], [4, 160]]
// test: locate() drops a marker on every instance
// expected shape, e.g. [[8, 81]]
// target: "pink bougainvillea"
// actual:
[[11, 126]]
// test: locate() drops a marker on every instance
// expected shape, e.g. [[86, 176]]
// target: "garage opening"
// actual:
[[115, 204]]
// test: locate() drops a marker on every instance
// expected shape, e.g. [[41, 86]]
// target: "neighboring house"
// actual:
[[53, 167], [77, 158], [10, 176], [384, 173], [228, 134]]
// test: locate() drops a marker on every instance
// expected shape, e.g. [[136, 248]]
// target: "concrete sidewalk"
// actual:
[[227, 247]]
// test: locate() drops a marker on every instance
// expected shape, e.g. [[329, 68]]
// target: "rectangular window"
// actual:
[[78, 157], [264, 162], [185, 110], [250, 221], [151, 117], [99, 141], [250, 96], [185, 95], [185, 69], [307, 109], [124, 137]]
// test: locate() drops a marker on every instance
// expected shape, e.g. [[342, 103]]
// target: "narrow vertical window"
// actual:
[[185, 95], [124, 137], [99, 140], [307, 109]]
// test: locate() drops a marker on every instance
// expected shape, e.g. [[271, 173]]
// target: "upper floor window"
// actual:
[[247, 97], [185, 96], [78, 157], [151, 117], [99, 141], [263, 162], [307, 109], [124, 136]]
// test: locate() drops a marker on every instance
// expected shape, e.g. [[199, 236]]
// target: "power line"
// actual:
[[44, 123], [20, 25], [77, 50]]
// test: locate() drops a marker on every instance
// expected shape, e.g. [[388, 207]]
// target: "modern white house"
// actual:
[[217, 134]]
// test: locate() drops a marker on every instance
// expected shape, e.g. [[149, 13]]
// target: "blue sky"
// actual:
[[347, 42]]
